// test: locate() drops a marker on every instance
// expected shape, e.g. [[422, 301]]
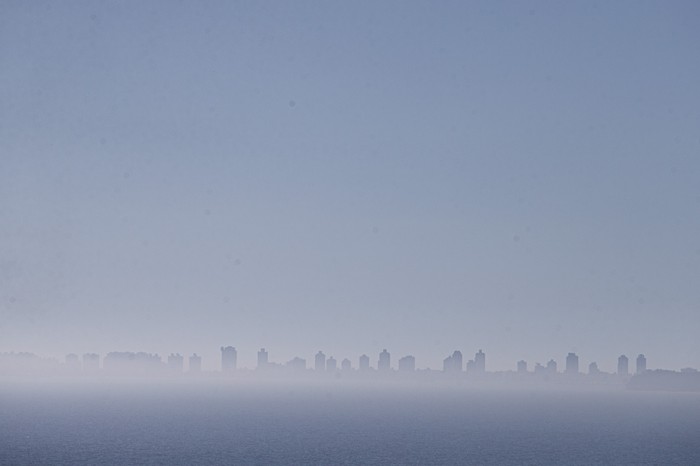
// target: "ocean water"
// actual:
[[139, 423]]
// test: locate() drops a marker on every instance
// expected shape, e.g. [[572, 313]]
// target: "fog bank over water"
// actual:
[[153, 423]]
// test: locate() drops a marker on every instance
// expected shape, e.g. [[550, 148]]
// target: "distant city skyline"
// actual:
[[24, 366], [366, 232], [321, 363], [302, 175]]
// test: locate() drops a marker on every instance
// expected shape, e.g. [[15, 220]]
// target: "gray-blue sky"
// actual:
[[348, 176]]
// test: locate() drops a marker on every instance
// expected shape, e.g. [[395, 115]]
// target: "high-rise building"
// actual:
[[457, 361], [641, 364], [623, 365], [262, 359], [522, 367], [384, 364], [446, 364], [542, 370], [552, 367], [407, 364], [331, 364], [229, 357], [364, 363], [453, 363], [480, 362], [195, 364], [346, 365], [571, 363], [176, 362], [297, 364], [320, 361], [593, 368]]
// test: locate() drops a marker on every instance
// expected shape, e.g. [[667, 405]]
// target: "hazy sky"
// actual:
[[351, 176]]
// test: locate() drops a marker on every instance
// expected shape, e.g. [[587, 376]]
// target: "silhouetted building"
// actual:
[[641, 364], [297, 364], [471, 366], [453, 363], [552, 367], [320, 361], [364, 363], [623, 365], [457, 361], [522, 367], [571, 363], [262, 359], [331, 364], [346, 365], [407, 364], [479, 362], [593, 368], [195, 363], [384, 364], [542, 370], [446, 364], [229, 357], [176, 363], [91, 362]]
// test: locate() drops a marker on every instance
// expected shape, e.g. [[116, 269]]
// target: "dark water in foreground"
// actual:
[[217, 423]]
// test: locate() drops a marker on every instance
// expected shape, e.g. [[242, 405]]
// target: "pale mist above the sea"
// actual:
[[150, 422]]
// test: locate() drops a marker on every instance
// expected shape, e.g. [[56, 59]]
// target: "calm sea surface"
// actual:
[[45, 422]]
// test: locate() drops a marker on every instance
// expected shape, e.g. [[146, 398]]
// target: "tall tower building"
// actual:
[[346, 365], [384, 364], [480, 362], [364, 363], [571, 363], [593, 369], [176, 362], [320, 361], [453, 363], [195, 364], [331, 364], [522, 367], [540, 369], [262, 358], [229, 357], [446, 364], [641, 364], [407, 364], [297, 364], [623, 365], [457, 364]]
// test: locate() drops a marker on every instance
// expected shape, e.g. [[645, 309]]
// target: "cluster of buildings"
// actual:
[[322, 363], [453, 363], [453, 368], [118, 362], [572, 366], [141, 363]]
